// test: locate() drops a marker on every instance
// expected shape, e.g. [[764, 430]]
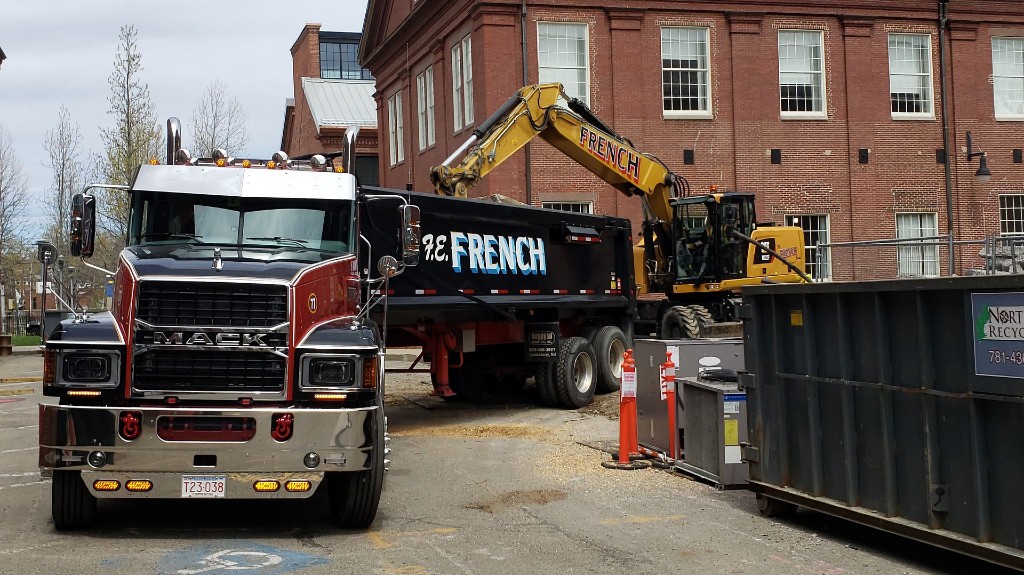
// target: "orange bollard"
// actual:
[[668, 378], [628, 444]]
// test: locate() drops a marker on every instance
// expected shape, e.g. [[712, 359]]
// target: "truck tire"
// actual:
[[609, 345], [71, 503], [679, 322], [355, 495], [544, 376], [772, 507], [575, 378]]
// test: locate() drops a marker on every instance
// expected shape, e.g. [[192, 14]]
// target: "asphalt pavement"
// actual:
[[474, 489]]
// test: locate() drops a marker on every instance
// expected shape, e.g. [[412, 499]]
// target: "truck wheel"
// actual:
[[71, 503], [575, 380], [609, 345], [771, 507], [679, 322], [545, 378], [355, 495]]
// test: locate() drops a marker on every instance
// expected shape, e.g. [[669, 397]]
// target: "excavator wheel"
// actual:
[[702, 314], [679, 322]]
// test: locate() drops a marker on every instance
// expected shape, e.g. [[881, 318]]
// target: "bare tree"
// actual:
[[62, 145], [135, 136], [13, 193], [219, 121]]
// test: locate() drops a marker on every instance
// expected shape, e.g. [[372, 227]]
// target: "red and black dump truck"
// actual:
[[503, 292], [243, 356]]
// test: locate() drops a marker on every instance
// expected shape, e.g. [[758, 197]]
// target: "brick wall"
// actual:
[[820, 171]]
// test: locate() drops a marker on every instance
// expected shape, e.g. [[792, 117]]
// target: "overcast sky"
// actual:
[[61, 52]]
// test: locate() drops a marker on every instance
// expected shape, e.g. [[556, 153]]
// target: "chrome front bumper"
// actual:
[[343, 439]]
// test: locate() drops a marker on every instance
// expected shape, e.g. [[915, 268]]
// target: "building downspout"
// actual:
[[943, 22], [526, 82]]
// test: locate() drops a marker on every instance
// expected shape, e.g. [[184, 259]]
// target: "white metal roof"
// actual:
[[341, 102], [245, 182]]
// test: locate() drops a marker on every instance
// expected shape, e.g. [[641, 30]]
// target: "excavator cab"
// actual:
[[706, 250]]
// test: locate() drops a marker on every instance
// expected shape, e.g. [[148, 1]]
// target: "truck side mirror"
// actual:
[[83, 225], [410, 235]]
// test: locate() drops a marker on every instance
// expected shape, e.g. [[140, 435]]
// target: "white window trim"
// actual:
[[396, 130], [547, 204], [462, 83], [425, 107], [931, 87], [823, 114], [938, 256], [1002, 117], [1001, 219], [794, 220], [586, 54], [691, 114], [468, 111]]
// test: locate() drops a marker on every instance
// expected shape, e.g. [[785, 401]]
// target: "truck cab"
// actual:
[[238, 359]]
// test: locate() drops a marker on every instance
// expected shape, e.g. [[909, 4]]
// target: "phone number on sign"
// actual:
[[1014, 357]]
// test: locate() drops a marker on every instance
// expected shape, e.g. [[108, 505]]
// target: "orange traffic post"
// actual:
[[628, 445], [668, 377]]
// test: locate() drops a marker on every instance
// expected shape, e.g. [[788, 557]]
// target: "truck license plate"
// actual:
[[203, 486]]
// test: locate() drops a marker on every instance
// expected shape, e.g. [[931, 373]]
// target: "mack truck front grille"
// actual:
[[210, 337], [209, 371], [212, 304]]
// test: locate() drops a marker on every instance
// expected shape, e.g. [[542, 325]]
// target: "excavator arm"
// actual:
[[573, 129]]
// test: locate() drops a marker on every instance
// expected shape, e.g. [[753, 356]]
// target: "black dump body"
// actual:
[[486, 261]]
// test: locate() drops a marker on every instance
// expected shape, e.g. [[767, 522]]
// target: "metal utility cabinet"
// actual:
[[715, 424], [649, 354], [896, 404]]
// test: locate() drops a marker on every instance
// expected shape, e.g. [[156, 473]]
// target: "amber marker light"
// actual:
[[246, 164], [138, 485], [153, 161], [266, 486], [106, 485], [339, 169], [330, 396], [83, 393], [221, 162], [370, 372], [298, 486], [271, 164]]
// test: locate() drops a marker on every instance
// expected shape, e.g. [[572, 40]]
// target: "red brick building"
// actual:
[[332, 92], [833, 112]]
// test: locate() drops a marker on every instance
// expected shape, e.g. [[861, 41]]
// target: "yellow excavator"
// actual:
[[696, 250]]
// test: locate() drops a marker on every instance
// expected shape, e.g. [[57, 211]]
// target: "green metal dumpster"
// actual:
[[897, 404]]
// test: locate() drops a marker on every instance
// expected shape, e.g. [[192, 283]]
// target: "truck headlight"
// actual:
[[330, 372], [87, 368], [323, 371]]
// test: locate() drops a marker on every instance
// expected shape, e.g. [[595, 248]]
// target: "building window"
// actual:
[[801, 73], [340, 60], [910, 74], [684, 72], [396, 129], [575, 207], [1008, 77], [425, 106], [918, 260], [462, 82], [562, 57], [1011, 215], [816, 233]]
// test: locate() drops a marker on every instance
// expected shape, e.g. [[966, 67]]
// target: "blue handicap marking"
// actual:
[[226, 557]]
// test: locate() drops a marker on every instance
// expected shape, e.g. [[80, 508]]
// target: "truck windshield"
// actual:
[[250, 223]]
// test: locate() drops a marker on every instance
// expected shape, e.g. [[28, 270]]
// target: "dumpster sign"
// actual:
[[998, 320]]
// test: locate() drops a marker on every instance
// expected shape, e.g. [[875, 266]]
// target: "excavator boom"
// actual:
[[537, 111]]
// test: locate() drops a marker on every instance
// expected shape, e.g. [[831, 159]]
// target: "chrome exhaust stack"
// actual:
[[173, 140], [351, 134]]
